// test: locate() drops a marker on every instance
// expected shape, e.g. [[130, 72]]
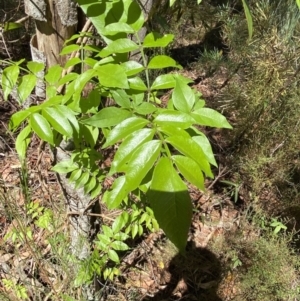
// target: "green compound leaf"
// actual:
[[125, 128], [35, 67], [119, 246], [82, 79], [210, 117], [22, 142], [114, 197], [132, 68], [90, 185], [121, 98], [119, 223], [162, 61], [141, 162], [183, 97], [82, 180], [168, 81], [136, 83], [113, 76], [113, 256], [26, 86], [75, 175], [58, 120], [64, 167], [107, 117], [165, 81], [42, 127], [135, 16], [204, 143], [72, 62], [9, 79], [69, 114], [171, 203], [190, 170], [70, 48], [114, 28], [119, 46], [54, 74], [129, 145], [155, 39], [17, 118], [96, 191], [145, 108], [174, 118], [174, 131], [189, 148]]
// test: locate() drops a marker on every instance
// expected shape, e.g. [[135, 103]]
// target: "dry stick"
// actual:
[[3, 40], [220, 175], [82, 40]]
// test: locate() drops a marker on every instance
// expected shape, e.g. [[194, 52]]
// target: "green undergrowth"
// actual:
[[36, 261], [262, 98], [261, 256], [255, 83]]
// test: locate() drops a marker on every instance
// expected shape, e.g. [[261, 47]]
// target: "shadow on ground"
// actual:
[[193, 277]]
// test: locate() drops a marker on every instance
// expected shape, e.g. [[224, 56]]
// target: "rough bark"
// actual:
[[56, 21]]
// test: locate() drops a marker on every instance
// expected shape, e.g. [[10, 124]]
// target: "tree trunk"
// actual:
[[56, 21]]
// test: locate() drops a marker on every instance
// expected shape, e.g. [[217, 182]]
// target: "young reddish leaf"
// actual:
[[171, 203]]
